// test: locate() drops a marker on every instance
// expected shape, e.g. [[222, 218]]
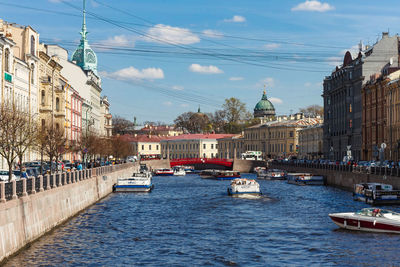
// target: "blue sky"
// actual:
[[158, 59]]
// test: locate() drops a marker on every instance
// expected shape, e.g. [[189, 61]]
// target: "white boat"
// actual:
[[243, 186], [305, 179], [368, 219], [376, 193], [138, 182], [179, 171], [271, 174]]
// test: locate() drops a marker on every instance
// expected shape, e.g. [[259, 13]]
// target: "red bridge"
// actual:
[[192, 161]]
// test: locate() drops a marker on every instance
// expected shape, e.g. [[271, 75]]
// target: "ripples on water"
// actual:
[[189, 221]]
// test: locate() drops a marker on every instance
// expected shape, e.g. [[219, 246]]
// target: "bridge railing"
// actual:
[[187, 161], [28, 186], [378, 170]]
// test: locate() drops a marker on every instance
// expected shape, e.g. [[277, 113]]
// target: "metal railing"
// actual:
[[378, 170], [24, 187]]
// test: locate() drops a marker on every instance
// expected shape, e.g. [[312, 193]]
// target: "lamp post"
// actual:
[[85, 150]]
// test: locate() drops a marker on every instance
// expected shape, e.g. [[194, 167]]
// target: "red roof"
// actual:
[[197, 136]]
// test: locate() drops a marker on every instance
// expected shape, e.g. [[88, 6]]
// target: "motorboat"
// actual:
[[305, 179], [376, 193], [164, 172], [190, 170], [227, 175], [259, 169], [138, 182], [369, 219], [271, 174], [243, 186], [179, 171], [207, 174]]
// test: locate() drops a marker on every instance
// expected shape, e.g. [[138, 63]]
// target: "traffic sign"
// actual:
[[85, 150], [383, 145]]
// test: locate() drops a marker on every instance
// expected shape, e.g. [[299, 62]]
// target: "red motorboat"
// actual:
[[227, 175], [369, 219]]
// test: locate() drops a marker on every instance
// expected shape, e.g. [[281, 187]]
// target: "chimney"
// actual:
[[385, 35]]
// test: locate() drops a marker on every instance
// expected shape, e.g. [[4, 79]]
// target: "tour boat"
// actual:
[[164, 172], [271, 174], [243, 186], [207, 174], [369, 219], [179, 171], [305, 179], [227, 175], [376, 193], [138, 182]]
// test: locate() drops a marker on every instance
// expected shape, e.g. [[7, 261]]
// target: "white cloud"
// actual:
[[334, 61], [168, 103], [275, 100], [271, 46], [236, 78], [118, 40], [268, 82], [236, 18], [163, 33], [178, 87], [313, 5], [205, 69], [184, 105], [212, 34], [133, 74]]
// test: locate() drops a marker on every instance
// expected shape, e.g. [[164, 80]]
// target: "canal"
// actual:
[[189, 221]]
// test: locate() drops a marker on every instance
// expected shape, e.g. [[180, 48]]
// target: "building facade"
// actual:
[[191, 146], [311, 142], [231, 147], [106, 117], [392, 118], [343, 100]]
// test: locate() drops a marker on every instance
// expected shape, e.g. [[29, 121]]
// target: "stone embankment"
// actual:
[[344, 176], [31, 207]]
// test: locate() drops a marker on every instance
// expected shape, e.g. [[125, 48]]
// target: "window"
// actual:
[[43, 123], [351, 123], [212, 146], [350, 108], [204, 146], [212, 155], [149, 147], [291, 134], [7, 60], [33, 45], [43, 97], [32, 73], [58, 104], [142, 147], [291, 147], [157, 147]]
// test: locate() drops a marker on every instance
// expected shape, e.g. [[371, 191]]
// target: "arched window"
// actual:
[[43, 97], [7, 60], [43, 123], [58, 104], [57, 126], [32, 45], [32, 73]]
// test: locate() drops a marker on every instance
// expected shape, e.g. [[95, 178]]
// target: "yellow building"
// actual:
[[311, 141], [145, 146], [52, 91], [231, 147], [277, 139]]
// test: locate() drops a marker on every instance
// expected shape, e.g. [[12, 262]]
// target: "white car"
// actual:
[[4, 176]]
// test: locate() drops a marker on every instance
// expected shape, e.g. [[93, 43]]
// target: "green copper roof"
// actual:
[[84, 56], [264, 104]]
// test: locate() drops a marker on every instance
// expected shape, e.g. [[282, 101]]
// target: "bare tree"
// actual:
[[52, 142], [313, 111], [13, 137], [121, 147], [27, 138], [122, 125]]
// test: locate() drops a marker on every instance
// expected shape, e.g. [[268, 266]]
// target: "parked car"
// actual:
[[4, 176]]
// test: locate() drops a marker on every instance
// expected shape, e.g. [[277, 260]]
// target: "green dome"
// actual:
[[264, 107]]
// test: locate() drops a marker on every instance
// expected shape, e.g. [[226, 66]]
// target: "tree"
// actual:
[[182, 121], [313, 111], [52, 142], [13, 134], [120, 147], [27, 138], [235, 110], [218, 121], [192, 122], [122, 125]]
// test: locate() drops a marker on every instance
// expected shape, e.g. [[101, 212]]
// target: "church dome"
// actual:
[[264, 107]]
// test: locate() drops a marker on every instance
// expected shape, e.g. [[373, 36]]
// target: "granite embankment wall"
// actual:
[[41, 204], [246, 166], [346, 176], [157, 164]]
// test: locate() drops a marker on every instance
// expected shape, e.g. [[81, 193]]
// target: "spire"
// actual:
[[84, 56], [198, 111], [264, 97]]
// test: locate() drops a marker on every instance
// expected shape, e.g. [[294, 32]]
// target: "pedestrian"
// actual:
[[79, 168]]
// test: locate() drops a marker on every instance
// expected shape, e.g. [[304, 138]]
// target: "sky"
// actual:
[[158, 59]]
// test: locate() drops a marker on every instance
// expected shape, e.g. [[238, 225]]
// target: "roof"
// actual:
[[197, 137], [142, 138], [289, 123], [264, 104]]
